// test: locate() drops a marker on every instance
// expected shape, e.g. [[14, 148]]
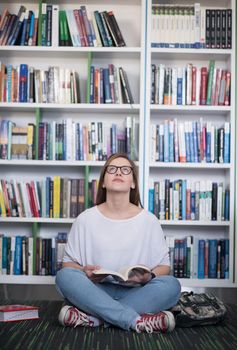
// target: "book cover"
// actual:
[[15, 312]]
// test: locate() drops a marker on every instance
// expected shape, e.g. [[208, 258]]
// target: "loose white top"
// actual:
[[113, 244]]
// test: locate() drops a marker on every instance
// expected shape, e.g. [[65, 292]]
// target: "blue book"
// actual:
[[81, 142], [23, 83], [227, 205], [201, 258], [187, 145], [222, 258], [195, 141], [4, 255], [9, 83], [102, 96], [161, 143], [31, 30], [171, 141], [192, 206], [151, 200], [227, 143], [179, 91], [212, 259], [107, 91], [24, 28], [184, 188], [199, 141], [113, 138], [101, 28], [226, 258], [208, 145], [17, 267], [48, 180]]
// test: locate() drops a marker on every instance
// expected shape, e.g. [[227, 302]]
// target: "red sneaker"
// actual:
[[161, 322], [72, 317]]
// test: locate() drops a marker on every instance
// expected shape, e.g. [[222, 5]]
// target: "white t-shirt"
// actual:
[[112, 244]]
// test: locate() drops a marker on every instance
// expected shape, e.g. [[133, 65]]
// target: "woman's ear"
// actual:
[[103, 186], [133, 187]]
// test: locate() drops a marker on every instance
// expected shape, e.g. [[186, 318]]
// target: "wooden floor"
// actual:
[[46, 333]]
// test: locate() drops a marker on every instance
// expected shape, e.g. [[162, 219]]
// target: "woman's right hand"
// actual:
[[88, 269]]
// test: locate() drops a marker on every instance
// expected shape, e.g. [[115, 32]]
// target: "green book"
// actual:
[[61, 29], [210, 81], [67, 37]]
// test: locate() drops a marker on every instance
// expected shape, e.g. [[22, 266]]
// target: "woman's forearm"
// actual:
[[161, 270]]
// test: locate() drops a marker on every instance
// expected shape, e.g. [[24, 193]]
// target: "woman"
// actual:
[[117, 232]]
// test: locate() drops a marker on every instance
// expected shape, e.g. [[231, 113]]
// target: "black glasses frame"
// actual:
[[119, 167]]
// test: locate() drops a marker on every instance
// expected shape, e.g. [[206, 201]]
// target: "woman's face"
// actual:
[[119, 176]]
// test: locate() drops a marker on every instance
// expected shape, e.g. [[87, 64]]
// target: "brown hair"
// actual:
[[134, 193]]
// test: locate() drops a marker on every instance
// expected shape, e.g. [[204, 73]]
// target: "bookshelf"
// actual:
[[131, 58], [136, 58], [158, 113]]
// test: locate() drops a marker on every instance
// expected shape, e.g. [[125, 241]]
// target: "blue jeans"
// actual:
[[116, 304]]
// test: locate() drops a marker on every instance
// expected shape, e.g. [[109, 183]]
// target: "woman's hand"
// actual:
[[139, 276], [88, 269]]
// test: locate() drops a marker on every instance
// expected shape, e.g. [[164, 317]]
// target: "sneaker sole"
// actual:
[[62, 314], [171, 321]]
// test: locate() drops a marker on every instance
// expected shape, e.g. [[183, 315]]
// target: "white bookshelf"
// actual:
[[134, 18], [131, 58], [155, 171]]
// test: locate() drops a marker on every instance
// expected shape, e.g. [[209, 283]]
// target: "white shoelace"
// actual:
[[79, 318], [149, 324]]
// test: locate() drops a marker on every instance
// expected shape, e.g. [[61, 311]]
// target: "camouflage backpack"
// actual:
[[195, 309]]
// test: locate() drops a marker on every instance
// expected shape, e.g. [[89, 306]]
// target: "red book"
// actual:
[[194, 83], [203, 87], [227, 90], [9, 313]]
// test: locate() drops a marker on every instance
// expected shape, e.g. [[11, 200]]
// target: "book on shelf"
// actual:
[[51, 25], [190, 26], [19, 254], [68, 140], [25, 83], [17, 312], [190, 142], [109, 85], [191, 200], [190, 85], [124, 273], [191, 257], [48, 198]]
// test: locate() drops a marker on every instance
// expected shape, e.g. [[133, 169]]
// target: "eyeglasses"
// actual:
[[125, 170]]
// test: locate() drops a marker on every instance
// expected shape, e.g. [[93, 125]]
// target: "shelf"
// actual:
[[68, 50], [206, 282], [197, 109], [82, 107], [79, 163], [50, 280], [71, 220], [25, 279], [38, 220], [191, 53], [193, 223], [213, 166], [51, 163]]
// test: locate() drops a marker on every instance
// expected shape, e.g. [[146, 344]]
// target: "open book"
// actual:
[[123, 274]]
